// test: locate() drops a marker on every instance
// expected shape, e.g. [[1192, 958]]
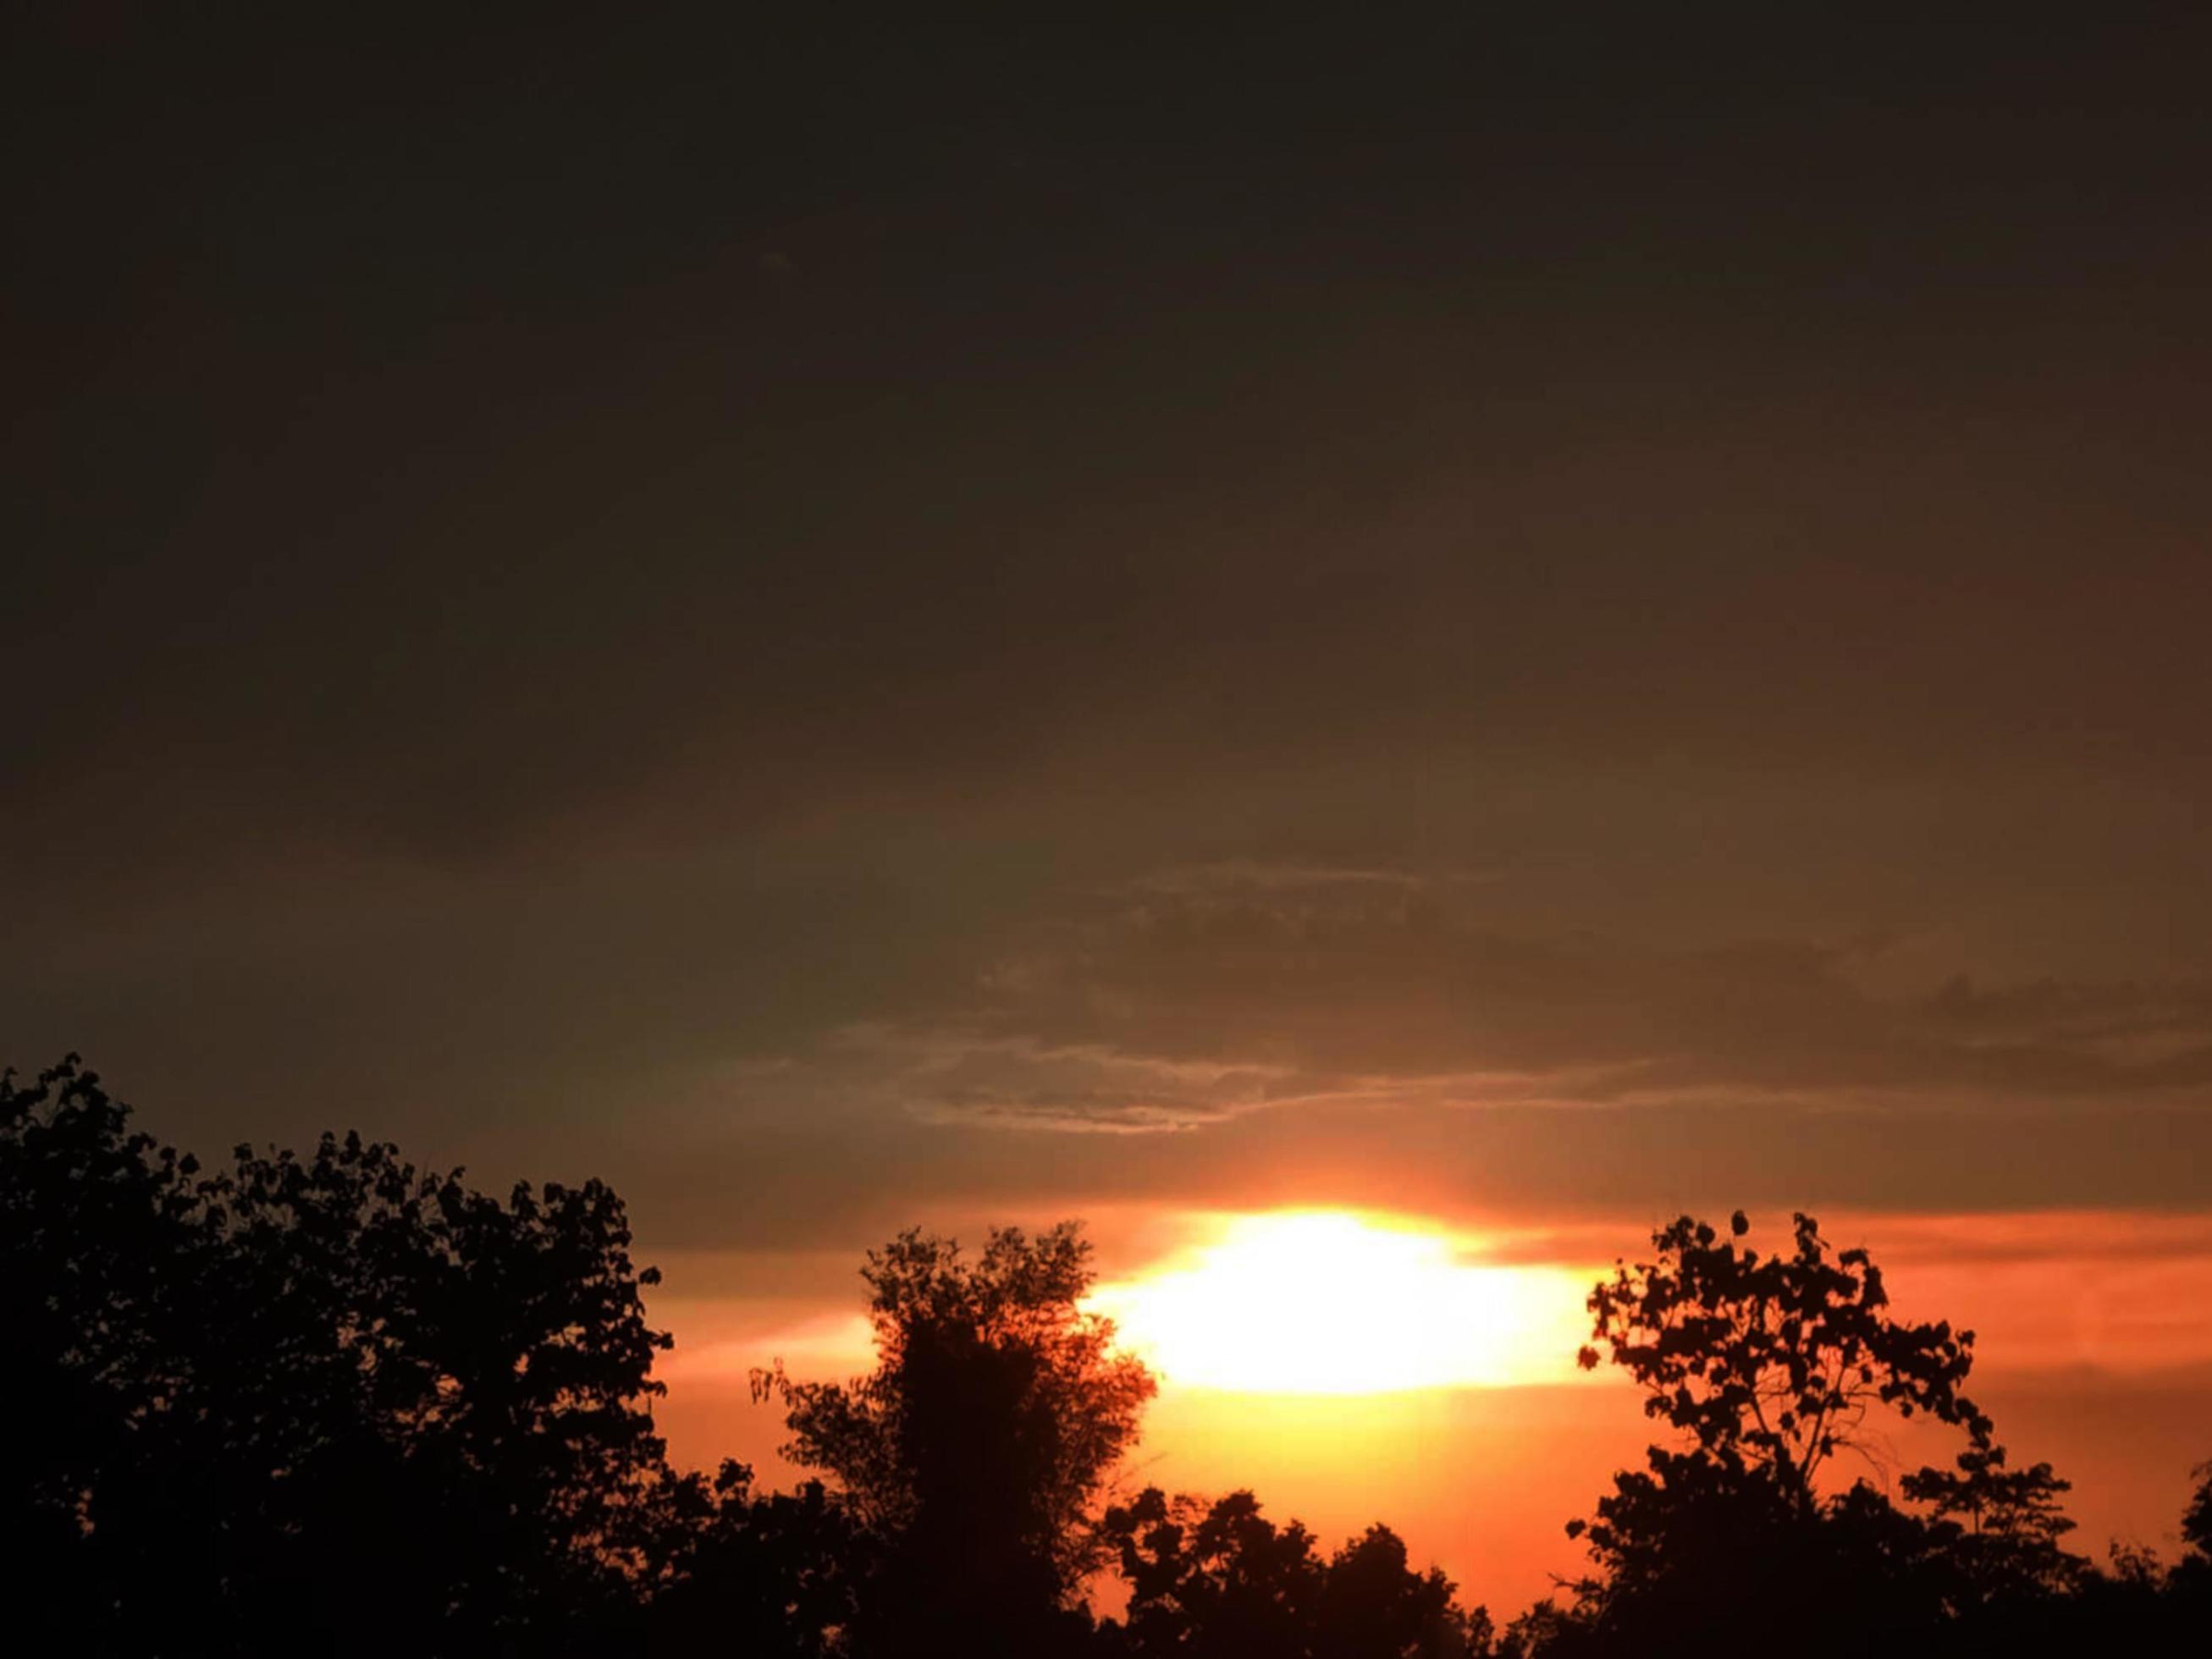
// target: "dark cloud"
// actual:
[[441, 483], [1310, 985], [1545, 610]]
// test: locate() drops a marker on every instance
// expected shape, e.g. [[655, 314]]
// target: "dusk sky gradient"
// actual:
[[1523, 617]]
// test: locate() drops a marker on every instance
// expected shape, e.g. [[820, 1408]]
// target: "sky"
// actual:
[[1515, 618]]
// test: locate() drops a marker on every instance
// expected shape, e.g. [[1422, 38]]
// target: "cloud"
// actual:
[[1019, 1083], [1275, 877], [825, 1039], [1222, 990]]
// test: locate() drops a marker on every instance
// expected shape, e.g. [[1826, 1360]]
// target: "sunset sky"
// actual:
[[1373, 653]]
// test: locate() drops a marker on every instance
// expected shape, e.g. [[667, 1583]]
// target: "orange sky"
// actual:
[[2095, 1353]]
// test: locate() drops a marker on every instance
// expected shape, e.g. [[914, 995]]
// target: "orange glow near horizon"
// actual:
[[1333, 1303], [1346, 1364]]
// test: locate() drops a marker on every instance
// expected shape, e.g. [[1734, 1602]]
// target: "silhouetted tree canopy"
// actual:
[[1766, 1367], [1375, 1606], [767, 1575], [333, 1404], [2196, 1519], [1995, 1530], [974, 1452], [1215, 1580], [1767, 1364], [295, 1373], [1223, 1581], [99, 1234]]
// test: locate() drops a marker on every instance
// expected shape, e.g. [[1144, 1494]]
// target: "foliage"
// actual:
[[767, 1575], [1769, 1365], [1997, 1530], [1223, 1581], [297, 1371], [2196, 1519], [1218, 1581], [1375, 1606], [99, 1231], [974, 1452], [331, 1404]]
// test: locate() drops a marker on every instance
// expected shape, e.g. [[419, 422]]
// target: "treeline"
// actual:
[[335, 1405]]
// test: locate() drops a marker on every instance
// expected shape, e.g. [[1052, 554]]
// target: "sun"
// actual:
[[1331, 1301]]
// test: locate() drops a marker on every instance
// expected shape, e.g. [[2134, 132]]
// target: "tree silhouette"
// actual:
[[1214, 1582], [2196, 1519], [767, 1576], [1995, 1530], [99, 1235], [1223, 1581], [974, 1452], [302, 1372], [1768, 1367], [1768, 1364], [2192, 1583], [331, 1404], [1375, 1606]]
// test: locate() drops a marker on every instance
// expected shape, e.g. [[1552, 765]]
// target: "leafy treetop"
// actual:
[[1768, 1364]]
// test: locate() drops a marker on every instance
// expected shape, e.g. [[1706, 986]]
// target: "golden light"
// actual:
[[1327, 1302]]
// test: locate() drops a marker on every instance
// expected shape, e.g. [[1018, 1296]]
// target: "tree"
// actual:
[[2196, 1519], [2191, 1581], [1769, 1365], [1223, 1581], [770, 1576], [1375, 1606], [1997, 1530], [302, 1372], [1214, 1582], [1767, 1368], [99, 1235], [975, 1451]]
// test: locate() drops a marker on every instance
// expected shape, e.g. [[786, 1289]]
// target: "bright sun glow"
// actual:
[[1322, 1302]]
